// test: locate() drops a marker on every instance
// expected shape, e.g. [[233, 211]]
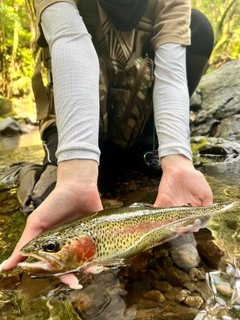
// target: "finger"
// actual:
[[208, 200], [16, 257], [71, 280], [11, 262]]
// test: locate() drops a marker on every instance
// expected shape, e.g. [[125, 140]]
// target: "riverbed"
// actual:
[[112, 294]]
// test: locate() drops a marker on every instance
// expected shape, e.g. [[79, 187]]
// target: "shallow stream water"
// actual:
[[102, 296]]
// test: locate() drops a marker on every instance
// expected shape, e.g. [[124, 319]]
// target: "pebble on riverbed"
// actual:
[[194, 301], [225, 290], [154, 281], [186, 256]]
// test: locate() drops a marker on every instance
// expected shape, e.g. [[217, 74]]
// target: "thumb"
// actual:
[[11, 262]]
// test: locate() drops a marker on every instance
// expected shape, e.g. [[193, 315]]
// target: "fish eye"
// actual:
[[51, 245]]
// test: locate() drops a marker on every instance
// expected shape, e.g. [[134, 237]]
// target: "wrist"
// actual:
[[176, 160], [84, 171]]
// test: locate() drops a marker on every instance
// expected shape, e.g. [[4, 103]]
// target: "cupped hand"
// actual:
[[75, 194], [181, 183]]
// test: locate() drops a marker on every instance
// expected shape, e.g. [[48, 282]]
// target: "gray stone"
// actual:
[[214, 146], [216, 103], [9, 126], [186, 256]]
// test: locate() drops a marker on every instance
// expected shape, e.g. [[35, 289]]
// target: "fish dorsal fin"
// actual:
[[148, 205], [140, 205], [188, 204]]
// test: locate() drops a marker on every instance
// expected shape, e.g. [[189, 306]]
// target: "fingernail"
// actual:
[[2, 265], [77, 287]]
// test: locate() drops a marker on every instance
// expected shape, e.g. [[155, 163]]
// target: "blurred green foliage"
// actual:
[[224, 16], [16, 60]]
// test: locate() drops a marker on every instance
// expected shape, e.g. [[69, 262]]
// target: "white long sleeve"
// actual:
[[171, 101], [75, 69]]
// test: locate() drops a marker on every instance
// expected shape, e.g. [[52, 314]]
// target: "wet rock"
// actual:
[[166, 262], [161, 273], [220, 98], [203, 235], [80, 300], [200, 287], [154, 295], [209, 146], [225, 290], [197, 274], [194, 302], [159, 253], [152, 273], [149, 310], [186, 256], [229, 128], [196, 101], [138, 265], [191, 286], [162, 286], [182, 295], [9, 126], [176, 277], [136, 291], [211, 253], [203, 290], [171, 295]]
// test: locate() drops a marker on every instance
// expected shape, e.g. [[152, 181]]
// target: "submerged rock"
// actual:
[[154, 295], [186, 256], [194, 302], [211, 253]]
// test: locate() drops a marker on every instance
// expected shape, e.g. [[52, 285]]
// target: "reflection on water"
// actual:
[[25, 147], [225, 301], [103, 296], [20, 141]]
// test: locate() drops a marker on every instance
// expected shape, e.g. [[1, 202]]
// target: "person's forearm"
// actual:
[[171, 101], [75, 71]]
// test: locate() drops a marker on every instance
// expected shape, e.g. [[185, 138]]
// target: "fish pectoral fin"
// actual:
[[98, 267], [115, 263], [193, 227]]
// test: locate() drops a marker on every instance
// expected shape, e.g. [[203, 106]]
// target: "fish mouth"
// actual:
[[45, 263]]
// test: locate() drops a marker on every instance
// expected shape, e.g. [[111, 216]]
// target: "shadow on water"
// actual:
[[112, 294]]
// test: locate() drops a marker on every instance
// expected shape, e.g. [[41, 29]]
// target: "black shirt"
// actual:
[[124, 14]]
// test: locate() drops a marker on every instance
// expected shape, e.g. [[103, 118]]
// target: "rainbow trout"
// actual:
[[110, 237]]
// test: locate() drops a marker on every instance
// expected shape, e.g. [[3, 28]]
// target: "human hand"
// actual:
[[181, 183], [75, 194]]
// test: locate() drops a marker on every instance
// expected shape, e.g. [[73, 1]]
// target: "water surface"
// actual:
[[102, 296]]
